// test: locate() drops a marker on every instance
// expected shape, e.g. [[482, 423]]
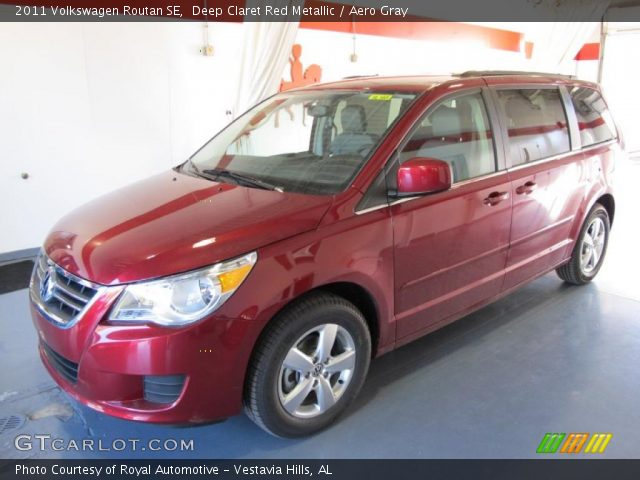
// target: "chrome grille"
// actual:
[[59, 295]]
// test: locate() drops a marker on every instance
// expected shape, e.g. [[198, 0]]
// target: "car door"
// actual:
[[451, 247], [546, 178]]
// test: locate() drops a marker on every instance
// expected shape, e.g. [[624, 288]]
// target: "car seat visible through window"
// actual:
[[446, 142], [353, 140]]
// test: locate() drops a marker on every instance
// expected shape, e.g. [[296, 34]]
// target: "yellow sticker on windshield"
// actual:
[[380, 96]]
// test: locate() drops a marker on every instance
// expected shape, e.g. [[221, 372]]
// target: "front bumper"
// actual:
[[206, 362]]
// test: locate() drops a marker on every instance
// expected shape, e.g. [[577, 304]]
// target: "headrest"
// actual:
[[353, 119], [445, 121]]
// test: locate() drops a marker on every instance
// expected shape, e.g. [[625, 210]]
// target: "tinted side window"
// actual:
[[536, 123], [458, 132], [594, 121]]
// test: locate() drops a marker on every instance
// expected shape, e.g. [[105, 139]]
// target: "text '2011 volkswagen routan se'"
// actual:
[[324, 227]]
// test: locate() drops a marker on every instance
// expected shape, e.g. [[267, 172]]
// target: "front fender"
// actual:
[[357, 250]]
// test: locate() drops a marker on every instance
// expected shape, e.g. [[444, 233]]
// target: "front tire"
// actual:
[[308, 366], [590, 249]]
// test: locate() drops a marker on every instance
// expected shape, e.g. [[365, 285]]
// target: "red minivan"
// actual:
[[324, 227]]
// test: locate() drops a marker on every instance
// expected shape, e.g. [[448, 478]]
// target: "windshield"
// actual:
[[306, 142]]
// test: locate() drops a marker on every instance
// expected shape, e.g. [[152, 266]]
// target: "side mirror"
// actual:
[[419, 176]]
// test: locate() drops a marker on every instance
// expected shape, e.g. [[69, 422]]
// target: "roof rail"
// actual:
[[350, 77], [496, 73]]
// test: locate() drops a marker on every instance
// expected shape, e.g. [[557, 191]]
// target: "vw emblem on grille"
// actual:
[[47, 284]]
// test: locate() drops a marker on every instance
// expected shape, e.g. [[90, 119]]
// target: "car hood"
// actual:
[[172, 223]]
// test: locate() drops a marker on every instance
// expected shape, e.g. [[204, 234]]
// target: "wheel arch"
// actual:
[[363, 300], [604, 198], [353, 292], [608, 202]]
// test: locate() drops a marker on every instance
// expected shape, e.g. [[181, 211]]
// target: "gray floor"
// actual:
[[548, 358]]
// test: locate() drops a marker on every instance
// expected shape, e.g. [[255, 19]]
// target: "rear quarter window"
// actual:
[[594, 120]]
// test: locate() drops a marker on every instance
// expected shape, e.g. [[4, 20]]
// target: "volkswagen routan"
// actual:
[[323, 228]]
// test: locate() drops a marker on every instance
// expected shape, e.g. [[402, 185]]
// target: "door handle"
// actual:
[[495, 198], [527, 188]]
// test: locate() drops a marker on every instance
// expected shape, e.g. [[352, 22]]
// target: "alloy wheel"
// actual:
[[592, 246], [316, 371]]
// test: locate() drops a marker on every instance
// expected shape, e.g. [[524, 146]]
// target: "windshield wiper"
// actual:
[[215, 173]]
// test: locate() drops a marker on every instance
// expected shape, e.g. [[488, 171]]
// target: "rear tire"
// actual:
[[590, 249], [308, 366]]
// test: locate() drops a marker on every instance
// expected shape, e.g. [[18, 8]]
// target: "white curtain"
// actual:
[[557, 44], [266, 50]]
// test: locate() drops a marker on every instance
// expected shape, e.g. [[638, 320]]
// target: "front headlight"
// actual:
[[182, 299]]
